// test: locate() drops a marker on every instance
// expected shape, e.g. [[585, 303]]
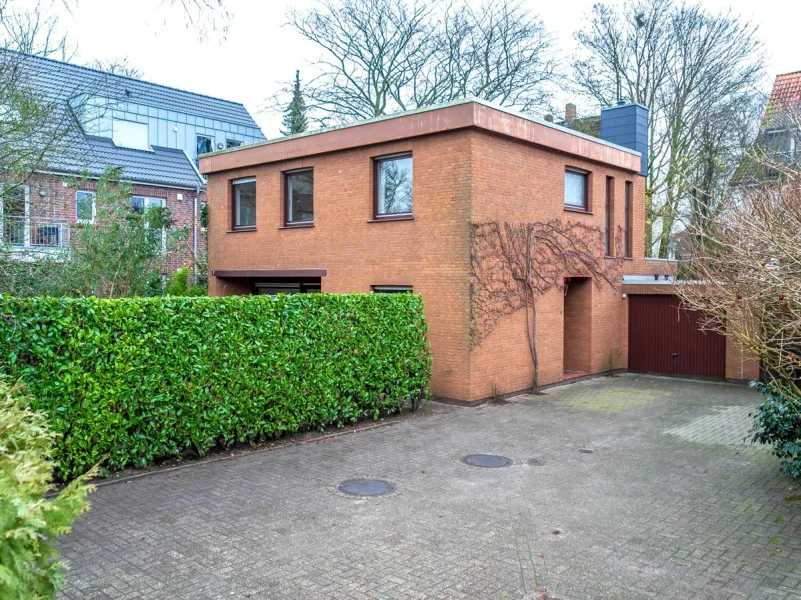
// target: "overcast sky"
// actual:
[[259, 52]]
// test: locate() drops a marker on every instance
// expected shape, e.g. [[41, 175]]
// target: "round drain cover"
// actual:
[[366, 487], [487, 461]]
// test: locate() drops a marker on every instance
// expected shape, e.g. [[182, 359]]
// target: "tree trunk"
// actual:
[[531, 334]]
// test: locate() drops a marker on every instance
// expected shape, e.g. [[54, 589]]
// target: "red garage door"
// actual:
[[664, 338]]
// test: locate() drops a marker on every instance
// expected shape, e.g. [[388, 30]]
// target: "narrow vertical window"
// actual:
[[243, 192], [299, 199], [393, 186], [627, 224], [608, 237]]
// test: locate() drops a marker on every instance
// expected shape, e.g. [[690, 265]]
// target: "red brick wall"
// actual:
[[459, 176], [578, 319], [514, 181], [430, 253], [59, 203]]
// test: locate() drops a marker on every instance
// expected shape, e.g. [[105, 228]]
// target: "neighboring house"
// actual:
[[387, 204], [153, 132], [590, 125], [779, 139]]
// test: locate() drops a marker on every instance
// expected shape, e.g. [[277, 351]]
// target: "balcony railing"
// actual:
[[34, 233]]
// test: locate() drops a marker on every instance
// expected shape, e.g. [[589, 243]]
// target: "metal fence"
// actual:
[[33, 232]]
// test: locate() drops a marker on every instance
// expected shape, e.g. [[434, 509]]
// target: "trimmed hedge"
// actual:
[[139, 379]]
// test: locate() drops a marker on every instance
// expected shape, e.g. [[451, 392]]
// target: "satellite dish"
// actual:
[[220, 146]]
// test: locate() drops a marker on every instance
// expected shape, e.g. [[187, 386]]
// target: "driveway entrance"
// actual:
[[632, 487]]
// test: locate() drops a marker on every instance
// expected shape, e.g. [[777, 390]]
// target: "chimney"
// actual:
[[570, 112], [626, 124]]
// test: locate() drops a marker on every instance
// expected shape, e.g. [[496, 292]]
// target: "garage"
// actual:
[[667, 339]]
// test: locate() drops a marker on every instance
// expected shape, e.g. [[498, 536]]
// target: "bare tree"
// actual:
[[746, 264], [205, 16], [117, 66], [33, 31], [694, 70], [381, 56], [514, 264]]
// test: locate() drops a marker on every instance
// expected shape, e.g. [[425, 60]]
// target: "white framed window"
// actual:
[[129, 134], [85, 208], [15, 212], [142, 204]]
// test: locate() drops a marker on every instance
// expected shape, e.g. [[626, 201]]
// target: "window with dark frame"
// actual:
[[576, 189], [243, 205], [299, 197], [393, 289], [608, 236], [232, 143], [393, 193], [627, 224], [205, 144]]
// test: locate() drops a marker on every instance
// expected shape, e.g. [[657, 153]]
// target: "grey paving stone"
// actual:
[[671, 503]]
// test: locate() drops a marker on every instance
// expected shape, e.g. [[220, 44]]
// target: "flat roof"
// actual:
[[459, 114]]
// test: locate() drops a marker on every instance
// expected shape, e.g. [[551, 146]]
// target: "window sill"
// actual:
[[398, 217], [582, 211], [240, 229], [303, 225]]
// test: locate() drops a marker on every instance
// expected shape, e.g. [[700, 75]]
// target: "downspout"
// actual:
[[196, 224]]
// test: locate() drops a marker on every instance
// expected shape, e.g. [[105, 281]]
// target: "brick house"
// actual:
[[153, 132], [387, 205]]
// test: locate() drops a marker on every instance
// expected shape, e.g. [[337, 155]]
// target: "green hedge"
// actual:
[[140, 379]]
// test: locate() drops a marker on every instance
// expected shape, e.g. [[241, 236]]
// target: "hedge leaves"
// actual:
[[139, 379]]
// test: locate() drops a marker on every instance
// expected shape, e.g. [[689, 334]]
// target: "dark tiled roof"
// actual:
[[162, 166], [65, 80]]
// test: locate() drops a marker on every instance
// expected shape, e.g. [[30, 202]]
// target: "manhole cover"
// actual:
[[487, 461], [366, 487], [586, 450], [535, 462]]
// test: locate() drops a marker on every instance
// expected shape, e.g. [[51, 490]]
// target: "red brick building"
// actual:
[[153, 133], [387, 205]]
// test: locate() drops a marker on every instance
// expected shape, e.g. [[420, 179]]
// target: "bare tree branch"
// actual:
[[693, 69], [381, 56]]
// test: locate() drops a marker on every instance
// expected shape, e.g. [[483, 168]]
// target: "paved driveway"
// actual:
[[632, 487]]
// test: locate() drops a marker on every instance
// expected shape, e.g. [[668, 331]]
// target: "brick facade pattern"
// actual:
[[460, 176]]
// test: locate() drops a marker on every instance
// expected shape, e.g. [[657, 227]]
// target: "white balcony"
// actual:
[[28, 237]]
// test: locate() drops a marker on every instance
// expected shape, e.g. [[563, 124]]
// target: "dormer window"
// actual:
[[129, 134], [205, 144]]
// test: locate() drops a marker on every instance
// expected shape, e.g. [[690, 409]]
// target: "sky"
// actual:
[[259, 53]]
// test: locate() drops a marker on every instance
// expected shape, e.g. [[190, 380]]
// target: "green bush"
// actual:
[[178, 285], [777, 421], [139, 379], [29, 523]]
